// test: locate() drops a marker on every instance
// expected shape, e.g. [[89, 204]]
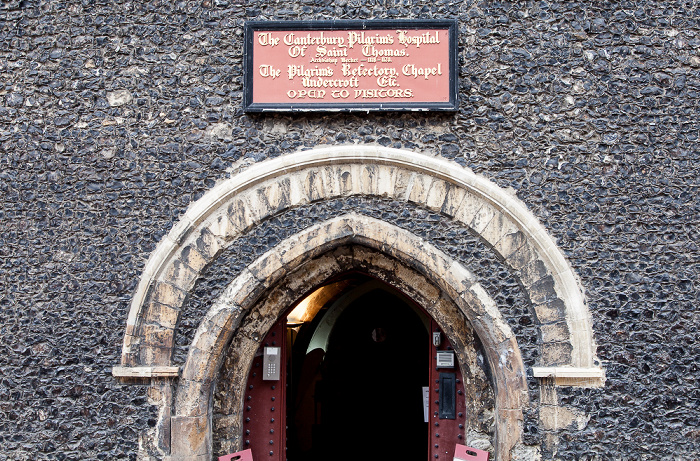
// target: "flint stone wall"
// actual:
[[115, 116]]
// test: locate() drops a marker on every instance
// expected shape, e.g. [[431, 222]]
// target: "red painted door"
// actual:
[[447, 406], [264, 421], [264, 418]]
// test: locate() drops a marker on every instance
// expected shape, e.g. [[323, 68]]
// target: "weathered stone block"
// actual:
[[369, 180], [131, 337], [268, 267], [403, 183], [459, 277], [437, 195], [331, 181], [167, 294], [532, 272], [522, 256], [161, 314], [221, 226], [554, 332], [191, 437], [240, 291], [367, 232], [483, 307], [451, 276], [555, 354], [131, 357], [450, 318], [259, 208], [386, 177], [239, 213], [482, 218], [542, 290], [499, 226], [207, 244], [193, 258], [192, 398], [511, 240], [344, 257], [466, 211], [417, 283], [161, 395], [274, 304], [550, 311], [313, 241], [365, 257], [276, 194], [345, 179], [298, 191], [312, 185], [180, 274], [509, 422], [319, 239], [554, 418], [221, 320], [314, 272], [453, 199], [421, 186], [198, 366], [154, 356]]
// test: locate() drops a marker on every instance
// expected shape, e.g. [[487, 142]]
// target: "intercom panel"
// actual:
[[271, 364]]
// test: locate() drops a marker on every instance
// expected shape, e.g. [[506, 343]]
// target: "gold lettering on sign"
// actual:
[[266, 39], [322, 51], [415, 72], [300, 71], [360, 38], [267, 70], [417, 40]]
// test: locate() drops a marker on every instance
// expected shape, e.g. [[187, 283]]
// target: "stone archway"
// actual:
[[210, 225], [269, 187], [415, 289], [443, 287]]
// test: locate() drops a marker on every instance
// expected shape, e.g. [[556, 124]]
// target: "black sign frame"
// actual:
[[408, 24]]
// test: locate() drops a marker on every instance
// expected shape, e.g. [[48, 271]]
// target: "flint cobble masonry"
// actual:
[[115, 116]]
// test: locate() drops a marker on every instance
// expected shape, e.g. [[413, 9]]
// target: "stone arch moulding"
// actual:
[[238, 203], [303, 261]]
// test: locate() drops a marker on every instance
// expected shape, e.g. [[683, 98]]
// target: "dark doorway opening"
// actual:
[[361, 397]]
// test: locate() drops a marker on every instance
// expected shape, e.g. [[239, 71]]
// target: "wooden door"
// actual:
[[264, 419]]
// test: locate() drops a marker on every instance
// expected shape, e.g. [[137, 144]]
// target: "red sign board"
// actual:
[[465, 453], [350, 65], [245, 455]]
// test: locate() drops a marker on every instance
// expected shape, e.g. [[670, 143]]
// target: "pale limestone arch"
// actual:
[[305, 260], [272, 186]]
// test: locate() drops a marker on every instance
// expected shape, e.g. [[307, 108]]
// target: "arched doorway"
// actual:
[[247, 309], [367, 385], [376, 366], [184, 389], [358, 372]]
